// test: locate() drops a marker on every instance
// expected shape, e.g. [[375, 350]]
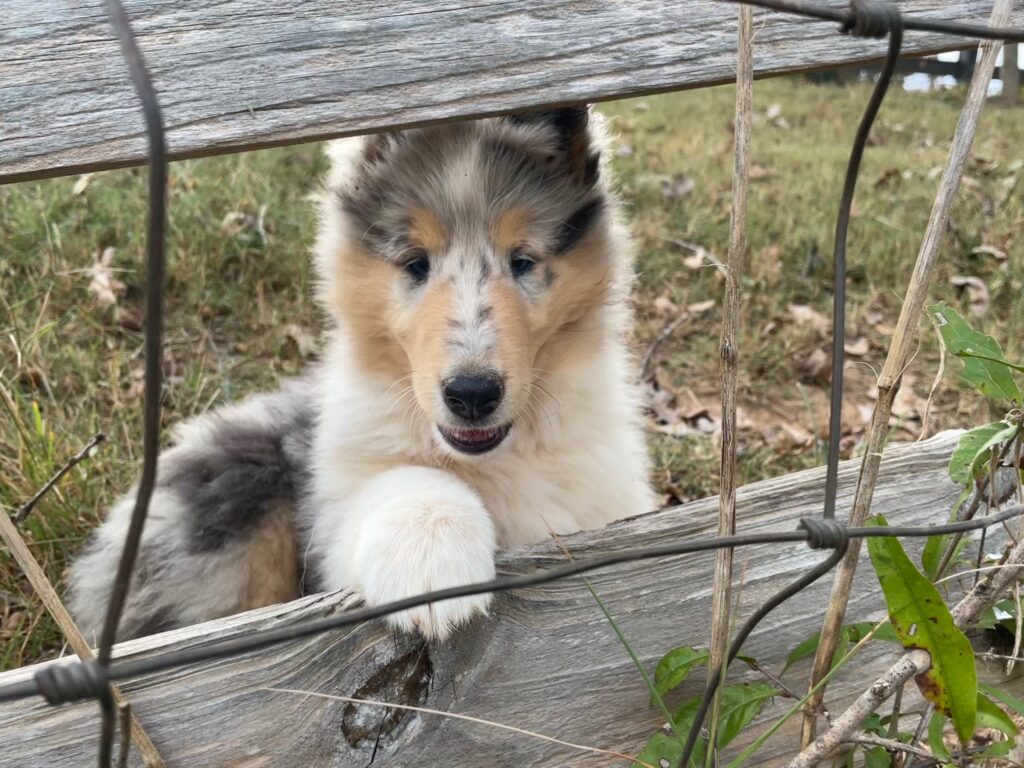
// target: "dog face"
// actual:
[[468, 256]]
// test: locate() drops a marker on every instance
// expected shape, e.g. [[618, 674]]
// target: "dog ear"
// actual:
[[572, 127], [376, 146]]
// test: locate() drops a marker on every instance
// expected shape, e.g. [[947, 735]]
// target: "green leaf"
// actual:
[[852, 632], [676, 665], [660, 747], [922, 620], [974, 450], [877, 757], [807, 648], [985, 368], [739, 705], [1000, 695], [873, 724], [991, 715], [935, 727], [996, 749]]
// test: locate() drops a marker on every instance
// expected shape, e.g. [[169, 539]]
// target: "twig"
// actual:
[[466, 718], [48, 595], [663, 334], [966, 613], [890, 744], [784, 689], [26, 509], [1017, 630], [124, 716], [895, 361], [912, 663], [729, 350]]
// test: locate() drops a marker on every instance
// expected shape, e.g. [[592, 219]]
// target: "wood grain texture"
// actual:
[[546, 660], [237, 74]]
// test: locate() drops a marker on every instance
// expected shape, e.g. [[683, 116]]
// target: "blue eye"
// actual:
[[418, 267], [521, 264]]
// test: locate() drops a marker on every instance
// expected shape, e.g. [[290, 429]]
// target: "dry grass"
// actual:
[[239, 306]]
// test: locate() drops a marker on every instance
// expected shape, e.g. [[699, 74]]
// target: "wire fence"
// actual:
[[82, 680]]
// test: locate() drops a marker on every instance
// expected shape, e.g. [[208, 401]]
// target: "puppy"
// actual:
[[474, 391]]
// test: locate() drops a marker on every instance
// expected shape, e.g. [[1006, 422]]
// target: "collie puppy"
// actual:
[[474, 391]]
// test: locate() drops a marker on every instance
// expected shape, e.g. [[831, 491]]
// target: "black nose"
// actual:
[[473, 397]]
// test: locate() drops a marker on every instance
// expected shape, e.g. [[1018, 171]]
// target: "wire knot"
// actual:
[[68, 683], [824, 534], [871, 18]]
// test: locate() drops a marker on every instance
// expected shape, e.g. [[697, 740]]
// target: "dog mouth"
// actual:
[[474, 441]]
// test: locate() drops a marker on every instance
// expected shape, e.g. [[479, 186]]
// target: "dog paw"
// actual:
[[425, 530]]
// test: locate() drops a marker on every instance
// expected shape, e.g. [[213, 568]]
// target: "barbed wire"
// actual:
[[76, 681]]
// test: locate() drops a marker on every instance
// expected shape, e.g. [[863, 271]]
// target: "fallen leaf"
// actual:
[[989, 250], [759, 172], [890, 174], [977, 293], [304, 341], [857, 347], [129, 318], [677, 187], [105, 288], [805, 315], [664, 306], [700, 307], [816, 367], [81, 184]]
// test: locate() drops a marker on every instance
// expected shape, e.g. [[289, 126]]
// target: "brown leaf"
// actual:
[[989, 250], [665, 307], [105, 288], [236, 222], [805, 315], [304, 341], [857, 347], [977, 293], [81, 184], [677, 187], [816, 367], [700, 307], [129, 318]]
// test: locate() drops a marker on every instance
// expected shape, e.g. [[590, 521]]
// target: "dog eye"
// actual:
[[418, 267], [521, 264]]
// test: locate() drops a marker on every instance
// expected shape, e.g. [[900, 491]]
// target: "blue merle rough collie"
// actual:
[[474, 391]]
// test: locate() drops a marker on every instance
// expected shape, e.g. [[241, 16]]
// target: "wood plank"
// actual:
[[546, 660], [241, 74]]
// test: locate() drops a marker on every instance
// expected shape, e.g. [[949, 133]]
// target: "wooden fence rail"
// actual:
[[241, 74], [546, 660]]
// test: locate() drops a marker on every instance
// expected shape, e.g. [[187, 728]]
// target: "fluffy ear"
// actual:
[[571, 126]]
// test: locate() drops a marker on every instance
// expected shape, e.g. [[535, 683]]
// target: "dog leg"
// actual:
[[411, 530]]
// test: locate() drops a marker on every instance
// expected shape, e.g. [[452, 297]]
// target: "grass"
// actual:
[[239, 307]]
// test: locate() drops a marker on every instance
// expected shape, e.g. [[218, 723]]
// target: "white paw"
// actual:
[[423, 530]]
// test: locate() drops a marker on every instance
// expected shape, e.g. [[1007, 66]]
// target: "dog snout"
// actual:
[[473, 398]]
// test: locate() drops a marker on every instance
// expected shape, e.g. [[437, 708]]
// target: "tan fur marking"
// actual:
[[271, 555], [426, 230], [511, 228], [362, 304], [426, 341]]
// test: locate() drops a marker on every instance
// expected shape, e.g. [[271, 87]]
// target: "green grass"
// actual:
[[69, 369]]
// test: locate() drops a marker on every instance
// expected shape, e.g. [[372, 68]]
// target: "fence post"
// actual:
[[1010, 74]]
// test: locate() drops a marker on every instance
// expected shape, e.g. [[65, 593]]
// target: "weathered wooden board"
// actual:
[[546, 660], [236, 74]]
